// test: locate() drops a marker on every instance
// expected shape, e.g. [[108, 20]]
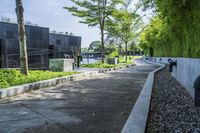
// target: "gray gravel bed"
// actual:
[[172, 108]]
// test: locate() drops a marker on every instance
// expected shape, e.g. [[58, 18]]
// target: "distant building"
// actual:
[[37, 46], [64, 46], [41, 45]]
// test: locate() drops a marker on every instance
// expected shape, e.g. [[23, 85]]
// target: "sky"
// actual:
[[50, 13]]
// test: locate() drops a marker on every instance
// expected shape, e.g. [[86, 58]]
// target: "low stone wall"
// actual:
[[112, 60], [186, 71], [137, 119], [61, 65], [15, 90]]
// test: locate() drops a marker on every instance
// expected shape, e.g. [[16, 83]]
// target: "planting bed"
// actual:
[[172, 108]]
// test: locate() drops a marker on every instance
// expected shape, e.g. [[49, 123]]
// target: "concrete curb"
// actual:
[[137, 119], [155, 62], [16, 90]]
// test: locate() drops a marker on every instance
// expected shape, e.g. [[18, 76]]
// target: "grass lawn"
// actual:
[[98, 65], [105, 65], [13, 77], [130, 59]]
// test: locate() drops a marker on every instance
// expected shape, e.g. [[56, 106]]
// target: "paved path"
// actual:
[[87, 69], [100, 104]]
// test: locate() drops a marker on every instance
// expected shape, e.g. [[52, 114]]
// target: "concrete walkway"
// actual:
[[100, 104], [87, 69]]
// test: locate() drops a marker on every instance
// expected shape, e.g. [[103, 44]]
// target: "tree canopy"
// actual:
[[175, 29], [95, 47], [94, 13], [124, 25]]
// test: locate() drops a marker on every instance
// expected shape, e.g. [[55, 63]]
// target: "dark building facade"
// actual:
[[64, 46], [37, 46], [41, 45]]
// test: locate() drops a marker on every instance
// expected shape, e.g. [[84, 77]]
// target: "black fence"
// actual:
[[91, 55]]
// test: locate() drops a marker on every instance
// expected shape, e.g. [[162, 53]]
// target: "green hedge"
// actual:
[[98, 65], [13, 77], [105, 65], [174, 31], [129, 61]]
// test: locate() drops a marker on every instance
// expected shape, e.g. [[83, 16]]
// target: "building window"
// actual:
[[58, 42], [9, 34]]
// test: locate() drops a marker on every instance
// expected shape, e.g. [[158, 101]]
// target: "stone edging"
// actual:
[[137, 119], [15, 90], [155, 62]]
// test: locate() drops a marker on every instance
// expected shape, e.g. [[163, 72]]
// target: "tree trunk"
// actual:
[[22, 38], [126, 51], [102, 45]]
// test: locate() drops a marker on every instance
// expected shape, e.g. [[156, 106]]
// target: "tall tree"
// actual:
[[174, 31], [127, 3], [124, 25], [94, 13], [113, 44], [22, 38], [95, 46]]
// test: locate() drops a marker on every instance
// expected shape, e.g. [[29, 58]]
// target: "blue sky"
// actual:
[[49, 13]]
